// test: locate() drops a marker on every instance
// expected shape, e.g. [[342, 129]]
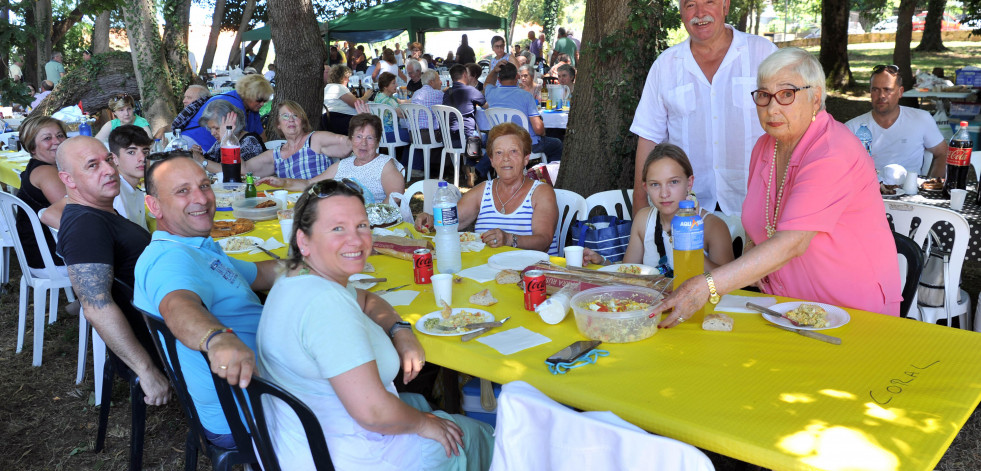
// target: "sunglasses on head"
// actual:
[[892, 69], [327, 188]]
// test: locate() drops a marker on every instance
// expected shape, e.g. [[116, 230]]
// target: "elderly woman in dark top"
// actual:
[[40, 185], [217, 116], [251, 92]]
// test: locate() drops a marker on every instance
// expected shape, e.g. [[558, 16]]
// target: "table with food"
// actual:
[[930, 193], [812, 386]]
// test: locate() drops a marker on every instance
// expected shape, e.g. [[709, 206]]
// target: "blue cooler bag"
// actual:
[[605, 235]]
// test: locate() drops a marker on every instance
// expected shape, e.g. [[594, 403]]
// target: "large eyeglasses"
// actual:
[[784, 97], [328, 188], [288, 117], [892, 69]]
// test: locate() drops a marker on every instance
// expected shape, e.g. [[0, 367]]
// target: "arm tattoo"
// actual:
[[92, 283]]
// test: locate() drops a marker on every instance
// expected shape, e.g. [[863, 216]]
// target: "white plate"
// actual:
[[516, 259], [421, 323], [644, 269], [899, 192], [352, 280], [293, 197], [224, 242], [837, 316]]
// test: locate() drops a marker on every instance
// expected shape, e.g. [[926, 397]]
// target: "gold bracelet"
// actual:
[[201, 344], [714, 297]]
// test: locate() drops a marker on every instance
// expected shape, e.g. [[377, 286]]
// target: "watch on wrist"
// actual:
[[514, 240], [714, 297], [400, 325]]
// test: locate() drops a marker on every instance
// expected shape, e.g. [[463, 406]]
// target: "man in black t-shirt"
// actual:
[[98, 244]]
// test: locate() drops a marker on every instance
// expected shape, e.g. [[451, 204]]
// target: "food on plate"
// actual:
[[508, 277], [454, 323], [237, 244], [629, 269], [469, 237], [284, 214], [225, 228], [368, 268], [483, 298], [617, 330], [935, 184], [227, 193], [447, 311], [265, 204], [887, 189], [615, 305], [717, 322], [809, 315]]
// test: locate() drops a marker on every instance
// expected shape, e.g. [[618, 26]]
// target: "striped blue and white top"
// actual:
[[518, 222]]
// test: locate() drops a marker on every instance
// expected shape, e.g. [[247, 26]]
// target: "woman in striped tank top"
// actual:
[[510, 210]]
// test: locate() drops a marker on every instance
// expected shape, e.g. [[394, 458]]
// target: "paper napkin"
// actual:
[[270, 244], [513, 340], [733, 303], [480, 273], [402, 297]]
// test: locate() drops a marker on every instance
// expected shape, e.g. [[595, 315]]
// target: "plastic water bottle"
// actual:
[[157, 148], [688, 234], [447, 227], [84, 128], [863, 134], [179, 142]]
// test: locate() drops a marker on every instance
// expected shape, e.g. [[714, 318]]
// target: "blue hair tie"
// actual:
[[587, 359]]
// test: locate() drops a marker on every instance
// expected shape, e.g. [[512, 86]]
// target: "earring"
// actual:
[[814, 117]]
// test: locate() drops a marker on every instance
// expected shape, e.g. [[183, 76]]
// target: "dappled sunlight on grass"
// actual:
[[838, 448]]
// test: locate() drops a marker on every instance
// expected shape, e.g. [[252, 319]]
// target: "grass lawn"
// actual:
[[862, 57]]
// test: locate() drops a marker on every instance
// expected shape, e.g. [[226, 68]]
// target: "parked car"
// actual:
[[948, 23], [887, 25], [854, 27]]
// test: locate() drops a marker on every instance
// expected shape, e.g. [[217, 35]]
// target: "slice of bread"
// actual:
[[508, 277], [483, 298], [718, 322]]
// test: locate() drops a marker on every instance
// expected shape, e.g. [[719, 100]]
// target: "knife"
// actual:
[[266, 251], [391, 289], [805, 333], [487, 327]]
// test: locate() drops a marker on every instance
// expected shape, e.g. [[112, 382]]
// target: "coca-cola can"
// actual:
[[422, 266], [534, 288]]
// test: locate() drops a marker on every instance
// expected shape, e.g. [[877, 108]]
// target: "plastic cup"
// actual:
[[573, 256], [443, 289], [957, 197], [286, 226], [280, 195], [910, 186]]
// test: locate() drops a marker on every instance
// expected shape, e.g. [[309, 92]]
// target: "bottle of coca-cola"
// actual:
[[958, 160], [231, 158]]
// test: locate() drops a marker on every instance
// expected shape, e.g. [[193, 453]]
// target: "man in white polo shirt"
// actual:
[[900, 134], [697, 97]]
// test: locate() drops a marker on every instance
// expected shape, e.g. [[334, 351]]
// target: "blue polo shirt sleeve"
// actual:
[[530, 106]]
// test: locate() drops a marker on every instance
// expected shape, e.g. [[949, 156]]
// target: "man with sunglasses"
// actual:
[[697, 97], [208, 299], [900, 134]]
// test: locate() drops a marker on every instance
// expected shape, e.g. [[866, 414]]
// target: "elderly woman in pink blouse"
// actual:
[[813, 212]]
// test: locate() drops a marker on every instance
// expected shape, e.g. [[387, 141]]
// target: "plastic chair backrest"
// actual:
[[905, 216], [528, 421], [256, 418], [413, 113], [427, 188], [612, 201], [382, 110], [500, 115], [166, 343], [443, 115], [910, 256], [572, 207], [272, 145], [9, 205]]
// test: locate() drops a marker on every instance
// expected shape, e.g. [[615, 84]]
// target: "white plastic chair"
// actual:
[[443, 114], [612, 201], [572, 207], [736, 230], [382, 111], [500, 115], [45, 281], [427, 188], [956, 302], [535, 432], [98, 355], [270, 145], [7, 236], [413, 113]]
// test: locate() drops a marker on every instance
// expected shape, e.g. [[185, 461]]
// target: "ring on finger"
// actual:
[[681, 319], [223, 367]]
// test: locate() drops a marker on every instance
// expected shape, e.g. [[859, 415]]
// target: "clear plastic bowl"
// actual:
[[616, 327], [227, 193], [246, 208]]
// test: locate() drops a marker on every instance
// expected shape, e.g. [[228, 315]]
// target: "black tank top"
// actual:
[[34, 198]]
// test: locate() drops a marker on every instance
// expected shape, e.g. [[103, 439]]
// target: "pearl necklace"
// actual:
[[771, 227], [505, 203]]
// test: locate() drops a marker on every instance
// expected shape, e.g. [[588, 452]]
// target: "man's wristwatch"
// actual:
[[400, 325], [514, 240], [714, 297]]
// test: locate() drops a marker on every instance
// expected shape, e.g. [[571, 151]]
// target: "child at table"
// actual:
[[668, 179]]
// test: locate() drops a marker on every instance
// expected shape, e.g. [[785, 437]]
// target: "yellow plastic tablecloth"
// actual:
[[892, 396], [10, 171]]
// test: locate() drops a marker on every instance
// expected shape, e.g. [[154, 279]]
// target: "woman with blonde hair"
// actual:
[[122, 107]]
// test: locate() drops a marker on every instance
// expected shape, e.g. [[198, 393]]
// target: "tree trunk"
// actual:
[[209, 52], [901, 54], [758, 11], [932, 40], [234, 56], [834, 44], [61, 27], [30, 68], [150, 63], [42, 21], [512, 18], [113, 75], [300, 55], [599, 147], [100, 33], [177, 13], [260, 57]]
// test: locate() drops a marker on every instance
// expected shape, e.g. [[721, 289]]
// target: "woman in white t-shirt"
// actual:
[[318, 339], [387, 64], [340, 102]]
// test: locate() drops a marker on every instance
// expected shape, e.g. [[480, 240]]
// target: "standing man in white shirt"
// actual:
[[900, 135], [697, 97]]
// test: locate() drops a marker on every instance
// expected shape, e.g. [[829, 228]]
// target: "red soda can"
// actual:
[[534, 288], [422, 266]]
